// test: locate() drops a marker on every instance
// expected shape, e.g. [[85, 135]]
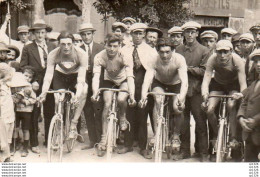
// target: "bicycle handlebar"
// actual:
[[61, 91], [113, 90], [165, 94], [221, 96]]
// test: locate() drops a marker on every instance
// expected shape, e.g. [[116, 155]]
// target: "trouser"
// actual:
[[193, 105], [251, 150], [150, 105], [48, 114]]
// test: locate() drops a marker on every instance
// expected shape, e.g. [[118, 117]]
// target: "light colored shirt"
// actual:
[[41, 51], [116, 69], [6, 104]]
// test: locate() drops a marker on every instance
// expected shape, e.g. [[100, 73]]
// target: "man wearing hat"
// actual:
[[175, 33], [13, 54], [236, 44], [209, 39], [227, 33], [256, 33], [3, 52], [120, 29], [196, 56], [249, 114], [35, 55], [229, 79], [52, 37], [247, 43], [23, 35], [128, 21], [141, 54], [93, 113], [152, 36]]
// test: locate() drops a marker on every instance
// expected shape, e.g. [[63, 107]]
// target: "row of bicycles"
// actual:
[[60, 133]]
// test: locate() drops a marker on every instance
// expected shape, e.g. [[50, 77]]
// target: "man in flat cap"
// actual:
[[209, 39], [175, 33], [92, 112], [236, 44], [229, 79], [152, 36], [77, 40], [23, 35], [247, 43], [128, 21], [141, 54], [255, 30], [196, 56], [227, 33], [35, 55], [52, 37], [120, 29], [249, 115]]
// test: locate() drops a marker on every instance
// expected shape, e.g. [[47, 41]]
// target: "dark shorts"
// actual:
[[215, 86], [167, 88], [25, 118], [110, 84], [64, 81]]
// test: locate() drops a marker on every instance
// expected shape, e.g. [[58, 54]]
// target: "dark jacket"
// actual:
[[250, 108], [251, 75]]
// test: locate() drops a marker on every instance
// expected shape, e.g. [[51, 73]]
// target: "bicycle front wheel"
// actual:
[[159, 142], [110, 136], [220, 154], [55, 140]]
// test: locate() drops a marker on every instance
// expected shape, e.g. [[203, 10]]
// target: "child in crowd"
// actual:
[[24, 98], [7, 116]]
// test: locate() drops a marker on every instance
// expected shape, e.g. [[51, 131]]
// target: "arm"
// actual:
[[200, 70], [241, 74], [49, 73], [207, 77], [182, 71], [149, 75], [31, 98], [3, 35], [96, 78], [242, 109]]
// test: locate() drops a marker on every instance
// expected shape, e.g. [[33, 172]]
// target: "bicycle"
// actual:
[[162, 139], [222, 149], [112, 127], [56, 131]]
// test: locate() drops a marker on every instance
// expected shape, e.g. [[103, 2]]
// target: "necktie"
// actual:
[[89, 59], [137, 62], [44, 55]]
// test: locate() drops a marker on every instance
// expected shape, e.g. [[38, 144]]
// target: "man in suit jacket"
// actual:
[[35, 55], [249, 114], [93, 112]]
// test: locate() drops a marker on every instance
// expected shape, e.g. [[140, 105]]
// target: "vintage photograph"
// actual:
[[130, 81]]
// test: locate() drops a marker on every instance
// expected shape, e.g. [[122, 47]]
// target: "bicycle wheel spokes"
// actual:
[[158, 142], [55, 140]]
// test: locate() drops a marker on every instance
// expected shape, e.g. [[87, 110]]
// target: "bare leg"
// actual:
[[122, 104]]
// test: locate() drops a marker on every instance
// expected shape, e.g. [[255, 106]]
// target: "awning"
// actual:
[[61, 6]]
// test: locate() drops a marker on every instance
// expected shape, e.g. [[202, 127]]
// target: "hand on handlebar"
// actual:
[[40, 99], [142, 103], [237, 96], [205, 103], [95, 97], [131, 101]]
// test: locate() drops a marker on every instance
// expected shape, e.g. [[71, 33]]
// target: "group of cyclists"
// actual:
[[137, 58]]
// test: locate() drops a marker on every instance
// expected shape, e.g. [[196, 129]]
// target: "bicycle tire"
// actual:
[[55, 139], [158, 142], [110, 138], [220, 153], [70, 142]]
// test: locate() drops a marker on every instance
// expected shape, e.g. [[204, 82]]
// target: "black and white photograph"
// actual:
[[123, 82]]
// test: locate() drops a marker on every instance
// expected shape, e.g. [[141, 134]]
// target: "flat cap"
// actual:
[[175, 29], [255, 27], [247, 36], [229, 31], [53, 35], [209, 34], [255, 53], [119, 24], [23, 29], [138, 27], [191, 25], [86, 27], [235, 37], [154, 29], [129, 19], [77, 37], [224, 45]]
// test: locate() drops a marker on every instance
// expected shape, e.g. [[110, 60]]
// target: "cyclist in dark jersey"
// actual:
[[67, 66]]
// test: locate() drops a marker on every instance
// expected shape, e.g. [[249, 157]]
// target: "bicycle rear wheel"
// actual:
[[158, 142], [69, 141], [55, 140], [110, 136], [220, 153]]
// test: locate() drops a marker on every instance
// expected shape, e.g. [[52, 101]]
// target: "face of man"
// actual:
[[23, 36], [223, 55], [151, 38], [246, 46], [87, 36], [118, 31], [66, 46], [176, 39], [190, 35], [128, 24], [165, 53], [138, 37], [78, 43], [210, 43], [3, 55], [11, 55], [40, 35], [112, 48], [226, 36], [237, 48], [256, 34], [257, 61]]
